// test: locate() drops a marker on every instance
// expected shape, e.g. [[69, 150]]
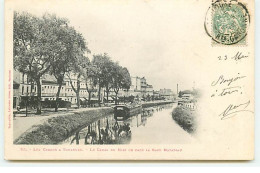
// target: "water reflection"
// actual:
[[107, 130]]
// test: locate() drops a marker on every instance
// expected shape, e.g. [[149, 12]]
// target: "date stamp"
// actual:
[[227, 22]]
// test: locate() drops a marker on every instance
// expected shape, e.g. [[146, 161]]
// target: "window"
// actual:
[[22, 90]]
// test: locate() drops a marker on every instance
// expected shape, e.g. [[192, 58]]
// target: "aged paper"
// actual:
[[129, 80]]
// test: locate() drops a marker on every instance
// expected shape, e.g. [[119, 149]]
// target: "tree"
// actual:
[[121, 79], [180, 94], [126, 84], [117, 78], [103, 75], [76, 71], [74, 47], [107, 74], [36, 46], [97, 61], [89, 78]]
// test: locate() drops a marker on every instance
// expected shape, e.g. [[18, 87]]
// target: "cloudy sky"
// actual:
[[151, 39]]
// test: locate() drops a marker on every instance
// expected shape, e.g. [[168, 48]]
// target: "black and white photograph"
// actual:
[[67, 93]]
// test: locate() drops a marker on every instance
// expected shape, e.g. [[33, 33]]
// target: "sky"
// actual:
[[151, 39]]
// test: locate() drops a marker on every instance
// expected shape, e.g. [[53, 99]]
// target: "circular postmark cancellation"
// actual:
[[229, 22]]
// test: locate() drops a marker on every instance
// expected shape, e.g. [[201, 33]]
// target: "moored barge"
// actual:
[[125, 111]]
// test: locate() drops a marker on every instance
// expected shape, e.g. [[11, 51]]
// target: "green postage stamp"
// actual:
[[229, 22]]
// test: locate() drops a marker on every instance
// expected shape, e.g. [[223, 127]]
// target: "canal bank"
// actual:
[[156, 103], [152, 126], [186, 118], [55, 129], [58, 127], [159, 128]]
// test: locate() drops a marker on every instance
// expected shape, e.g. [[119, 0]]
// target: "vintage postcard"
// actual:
[[129, 80]]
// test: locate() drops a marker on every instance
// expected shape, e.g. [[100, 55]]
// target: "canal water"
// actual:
[[153, 125]]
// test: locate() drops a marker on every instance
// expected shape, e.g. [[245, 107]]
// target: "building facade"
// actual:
[[24, 88], [167, 94], [140, 88]]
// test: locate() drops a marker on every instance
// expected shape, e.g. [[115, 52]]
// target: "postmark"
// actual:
[[227, 22]]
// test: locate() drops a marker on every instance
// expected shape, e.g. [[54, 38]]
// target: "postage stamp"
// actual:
[[229, 22]]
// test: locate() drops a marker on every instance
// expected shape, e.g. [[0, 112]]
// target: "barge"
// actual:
[[125, 111]]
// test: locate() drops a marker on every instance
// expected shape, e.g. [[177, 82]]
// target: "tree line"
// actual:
[[49, 45]]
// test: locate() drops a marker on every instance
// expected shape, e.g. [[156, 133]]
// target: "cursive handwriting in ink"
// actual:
[[233, 110], [239, 56], [229, 81], [229, 90]]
